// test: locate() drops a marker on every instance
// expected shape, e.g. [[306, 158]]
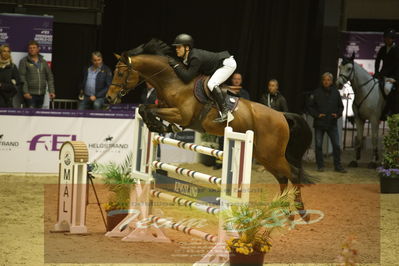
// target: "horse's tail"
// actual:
[[299, 142]]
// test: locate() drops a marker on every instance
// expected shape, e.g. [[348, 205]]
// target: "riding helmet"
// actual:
[[390, 33], [184, 39]]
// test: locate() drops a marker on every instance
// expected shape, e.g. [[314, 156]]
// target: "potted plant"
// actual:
[[119, 182], [253, 225], [389, 171]]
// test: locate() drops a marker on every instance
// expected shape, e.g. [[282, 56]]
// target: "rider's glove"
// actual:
[[173, 62]]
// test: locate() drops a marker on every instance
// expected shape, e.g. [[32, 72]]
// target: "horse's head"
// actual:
[[346, 71], [125, 78]]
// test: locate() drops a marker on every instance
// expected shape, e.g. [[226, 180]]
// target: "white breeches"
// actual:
[[388, 85], [223, 73]]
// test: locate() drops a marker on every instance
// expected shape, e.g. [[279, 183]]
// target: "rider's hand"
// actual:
[[321, 115], [93, 98], [334, 115], [172, 62]]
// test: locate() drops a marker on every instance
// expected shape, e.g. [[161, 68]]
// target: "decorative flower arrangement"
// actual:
[[118, 180], [349, 254], [254, 224], [390, 163]]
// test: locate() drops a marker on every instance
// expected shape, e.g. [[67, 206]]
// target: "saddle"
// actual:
[[204, 96]]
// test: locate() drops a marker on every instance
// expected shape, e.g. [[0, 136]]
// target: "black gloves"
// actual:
[[173, 62]]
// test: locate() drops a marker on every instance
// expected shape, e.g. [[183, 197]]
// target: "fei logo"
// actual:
[[51, 142]]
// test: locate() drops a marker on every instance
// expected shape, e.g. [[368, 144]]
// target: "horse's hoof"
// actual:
[[353, 164], [372, 165], [175, 129]]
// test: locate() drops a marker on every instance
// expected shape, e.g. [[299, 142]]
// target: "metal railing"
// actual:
[[64, 104]]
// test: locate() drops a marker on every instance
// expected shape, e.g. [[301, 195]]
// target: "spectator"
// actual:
[[273, 98], [97, 79], [149, 95], [326, 107], [9, 77], [236, 86], [36, 76]]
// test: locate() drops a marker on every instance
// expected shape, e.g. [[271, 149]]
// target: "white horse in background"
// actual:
[[368, 104]]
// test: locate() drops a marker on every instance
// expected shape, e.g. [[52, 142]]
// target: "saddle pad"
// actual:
[[200, 93]]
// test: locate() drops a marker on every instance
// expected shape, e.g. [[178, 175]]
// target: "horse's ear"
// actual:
[[353, 56], [117, 56]]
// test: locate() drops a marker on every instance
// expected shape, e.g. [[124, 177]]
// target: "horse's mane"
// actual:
[[346, 60], [154, 47]]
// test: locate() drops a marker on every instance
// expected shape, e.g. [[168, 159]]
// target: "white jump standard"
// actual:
[[72, 188], [236, 173]]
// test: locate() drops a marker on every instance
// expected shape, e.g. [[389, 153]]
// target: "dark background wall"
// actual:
[[269, 39], [292, 41]]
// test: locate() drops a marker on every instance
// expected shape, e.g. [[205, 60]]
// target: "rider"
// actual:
[[389, 54], [195, 61]]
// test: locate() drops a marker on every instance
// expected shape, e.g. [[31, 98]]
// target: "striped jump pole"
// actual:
[[184, 202], [187, 172], [184, 229], [190, 146]]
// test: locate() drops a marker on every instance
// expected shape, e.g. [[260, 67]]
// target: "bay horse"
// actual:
[[368, 104], [280, 139]]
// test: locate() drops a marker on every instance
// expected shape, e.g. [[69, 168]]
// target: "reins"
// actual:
[[130, 69]]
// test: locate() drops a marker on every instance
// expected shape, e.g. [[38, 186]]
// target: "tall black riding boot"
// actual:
[[219, 99]]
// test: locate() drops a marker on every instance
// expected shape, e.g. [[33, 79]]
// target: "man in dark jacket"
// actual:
[[326, 107], [389, 55], [196, 61], [149, 95], [236, 86], [36, 77], [97, 79], [273, 98], [9, 77]]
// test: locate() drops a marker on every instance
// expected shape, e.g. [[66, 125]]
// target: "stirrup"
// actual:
[[222, 118]]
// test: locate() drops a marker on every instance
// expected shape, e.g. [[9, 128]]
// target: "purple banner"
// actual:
[[365, 45], [68, 113], [17, 30]]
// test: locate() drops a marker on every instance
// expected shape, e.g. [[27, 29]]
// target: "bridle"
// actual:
[[124, 90], [349, 78]]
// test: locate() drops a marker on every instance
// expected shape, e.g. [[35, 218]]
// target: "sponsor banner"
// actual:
[[31, 143], [17, 30]]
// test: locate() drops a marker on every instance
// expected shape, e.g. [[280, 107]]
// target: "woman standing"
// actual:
[[9, 77]]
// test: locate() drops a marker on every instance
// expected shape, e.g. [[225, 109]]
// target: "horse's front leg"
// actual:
[[150, 119], [358, 140], [374, 140]]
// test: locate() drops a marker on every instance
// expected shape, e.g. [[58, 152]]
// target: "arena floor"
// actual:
[[351, 204]]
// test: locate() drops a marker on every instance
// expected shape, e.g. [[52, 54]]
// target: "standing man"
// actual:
[[326, 107], [97, 79], [273, 98], [236, 86], [36, 77], [389, 55], [149, 95]]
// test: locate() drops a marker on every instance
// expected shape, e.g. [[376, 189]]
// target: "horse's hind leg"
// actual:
[[282, 171], [297, 173]]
